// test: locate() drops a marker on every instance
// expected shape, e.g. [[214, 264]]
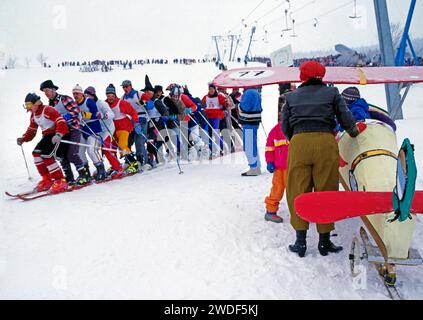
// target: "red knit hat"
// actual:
[[312, 70]]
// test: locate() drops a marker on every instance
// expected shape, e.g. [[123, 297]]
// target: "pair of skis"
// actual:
[[34, 194]]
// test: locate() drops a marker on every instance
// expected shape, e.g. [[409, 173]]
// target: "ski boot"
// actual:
[[215, 155], [160, 158], [84, 177], [253, 172], [116, 174], [133, 168], [110, 171], [204, 153], [145, 167], [101, 172], [70, 179], [300, 246], [59, 186], [45, 184], [132, 165], [152, 162], [326, 246], [273, 217]]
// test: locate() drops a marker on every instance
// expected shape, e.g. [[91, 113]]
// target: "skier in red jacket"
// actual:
[[53, 128]]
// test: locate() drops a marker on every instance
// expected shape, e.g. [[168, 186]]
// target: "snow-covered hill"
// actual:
[[162, 235]]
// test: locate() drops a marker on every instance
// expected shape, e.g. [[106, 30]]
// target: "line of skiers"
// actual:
[[158, 125], [161, 128]]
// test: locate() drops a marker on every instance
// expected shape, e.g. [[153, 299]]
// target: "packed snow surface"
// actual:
[[161, 235]]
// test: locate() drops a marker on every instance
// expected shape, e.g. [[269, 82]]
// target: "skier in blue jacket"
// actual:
[[90, 129], [250, 110]]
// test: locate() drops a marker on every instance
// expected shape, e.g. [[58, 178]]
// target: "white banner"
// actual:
[[283, 57]]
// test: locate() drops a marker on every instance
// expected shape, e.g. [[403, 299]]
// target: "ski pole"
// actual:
[[236, 121], [89, 146], [161, 137], [96, 137], [108, 130], [234, 130], [265, 133], [213, 130], [206, 133], [26, 164], [173, 146], [180, 131]]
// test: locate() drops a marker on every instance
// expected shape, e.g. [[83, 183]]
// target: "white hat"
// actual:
[[78, 89]]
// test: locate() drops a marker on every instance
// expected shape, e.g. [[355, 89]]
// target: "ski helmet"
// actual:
[[176, 91]]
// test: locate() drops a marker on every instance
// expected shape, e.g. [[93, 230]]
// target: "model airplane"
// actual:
[[379, 182]]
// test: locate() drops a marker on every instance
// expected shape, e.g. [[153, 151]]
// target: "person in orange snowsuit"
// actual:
[[277, 160]]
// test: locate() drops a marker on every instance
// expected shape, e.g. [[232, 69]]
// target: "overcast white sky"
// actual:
[[82, 29]]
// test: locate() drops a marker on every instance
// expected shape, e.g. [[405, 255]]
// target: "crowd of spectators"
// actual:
[[359, 60]]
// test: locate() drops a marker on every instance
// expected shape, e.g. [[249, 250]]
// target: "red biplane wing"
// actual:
[[254, 77]]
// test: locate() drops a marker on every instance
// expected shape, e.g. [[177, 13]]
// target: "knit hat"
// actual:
[[312, 70], [212, 85], [111, 89], [48, 84], [351, 95], [78, 89], [90, 91]]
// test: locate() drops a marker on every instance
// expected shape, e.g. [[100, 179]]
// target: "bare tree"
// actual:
[[28, 61], [42, 59], [11, 62], [397, 31]]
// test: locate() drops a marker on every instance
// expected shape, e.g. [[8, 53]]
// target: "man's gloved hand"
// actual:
[[138, 129], [173, 117], [20, 141], [361, 127], [149, 105], [271, 167], [188, 111], [67, 117], [57, 138], [87, 115]]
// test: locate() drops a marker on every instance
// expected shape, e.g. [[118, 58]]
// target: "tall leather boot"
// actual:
[[300, 246], [326, 246]]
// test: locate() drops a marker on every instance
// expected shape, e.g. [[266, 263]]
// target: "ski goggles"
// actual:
[[28, 105]]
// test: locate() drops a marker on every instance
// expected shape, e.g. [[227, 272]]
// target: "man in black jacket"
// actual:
[[308, 120]]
